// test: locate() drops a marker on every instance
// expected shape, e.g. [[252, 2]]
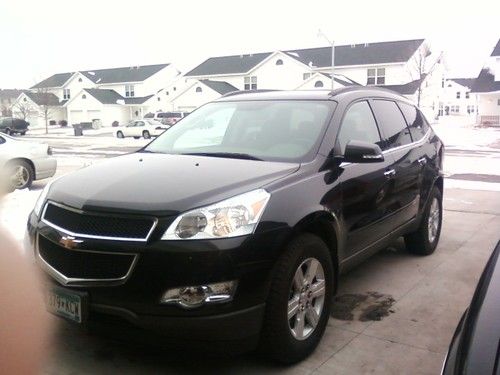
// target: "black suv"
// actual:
[[11, 125], [234, 225]]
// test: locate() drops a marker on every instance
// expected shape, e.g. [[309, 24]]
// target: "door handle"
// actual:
[[390, 173], [422, 161]]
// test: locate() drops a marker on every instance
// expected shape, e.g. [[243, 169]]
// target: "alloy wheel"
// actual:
[[20, 176], [307, 298], [433, 220]]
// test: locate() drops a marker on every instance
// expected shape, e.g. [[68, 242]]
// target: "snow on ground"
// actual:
[[467, 137]]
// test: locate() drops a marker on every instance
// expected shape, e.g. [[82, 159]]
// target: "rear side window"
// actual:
[[416, 122], [392, 123], [358, 125]]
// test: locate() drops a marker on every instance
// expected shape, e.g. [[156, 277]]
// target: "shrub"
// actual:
[[115, 124], [63, 123], [52, 122]]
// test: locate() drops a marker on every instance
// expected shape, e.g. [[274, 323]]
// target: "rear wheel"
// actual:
[[119, 134], [425, 239], [146, 134], [21, 174], [298, 305]]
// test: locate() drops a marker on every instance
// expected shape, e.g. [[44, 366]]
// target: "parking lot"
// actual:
[[423, 298]]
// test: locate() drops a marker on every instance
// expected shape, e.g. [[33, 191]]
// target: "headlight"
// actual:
[[233, 217], [41, 199]]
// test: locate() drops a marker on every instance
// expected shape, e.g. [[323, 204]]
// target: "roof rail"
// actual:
[[239, 92]]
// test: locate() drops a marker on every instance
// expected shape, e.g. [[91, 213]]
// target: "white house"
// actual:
[[38, 108], [457, 99], [121, 93], [487, 88]]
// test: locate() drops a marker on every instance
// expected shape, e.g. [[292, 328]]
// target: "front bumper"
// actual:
[[162, 265]]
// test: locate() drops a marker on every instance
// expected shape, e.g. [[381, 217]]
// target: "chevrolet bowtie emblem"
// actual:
[[69, 242]]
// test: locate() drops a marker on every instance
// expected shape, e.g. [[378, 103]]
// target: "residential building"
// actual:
[[116, 94], [457, 99], [39, 108], [7, 100], [487, 88]]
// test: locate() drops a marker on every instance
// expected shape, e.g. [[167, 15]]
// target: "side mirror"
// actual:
[[362, 152]]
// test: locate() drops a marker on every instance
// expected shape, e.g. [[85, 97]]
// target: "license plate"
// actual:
[[65, 304]]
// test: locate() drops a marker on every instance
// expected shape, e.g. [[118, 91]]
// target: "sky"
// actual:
[[43, 37]]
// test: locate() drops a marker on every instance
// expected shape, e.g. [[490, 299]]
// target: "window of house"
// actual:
[[442, 83], [84, 96], [159, 98], [415, 120], [66, 94], [358, 125], [458, 94], [467, 95], [129, 90], [80, 79], [498, 101], [175, 88], [306, 76], [251, 83], [318, 84], [25, 100], [167, 92], [199, 89], [279, 62], [375, 76], [392, 124]]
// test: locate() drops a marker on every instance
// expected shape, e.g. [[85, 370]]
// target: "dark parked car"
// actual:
[[475, 348], [11, 125], [235, 224]]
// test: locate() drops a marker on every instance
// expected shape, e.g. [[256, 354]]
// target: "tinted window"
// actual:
[[149, 115], [392, 123], [359, 125], [415, 119]]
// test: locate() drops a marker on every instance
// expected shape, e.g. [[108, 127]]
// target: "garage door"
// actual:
[[76, 117], [94, 115]]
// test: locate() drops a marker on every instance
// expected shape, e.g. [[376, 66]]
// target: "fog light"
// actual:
[[196, 296]]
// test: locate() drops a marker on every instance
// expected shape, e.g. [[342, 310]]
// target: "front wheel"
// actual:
[[21, 174], [120, 135], [425, 239], [298, 304]]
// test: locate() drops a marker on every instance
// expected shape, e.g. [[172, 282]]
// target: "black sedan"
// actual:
[[475, 348]]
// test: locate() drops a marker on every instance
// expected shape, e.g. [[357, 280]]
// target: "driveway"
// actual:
[[394, 314]]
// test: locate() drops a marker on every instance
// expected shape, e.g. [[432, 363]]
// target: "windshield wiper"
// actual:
[[230, 155]]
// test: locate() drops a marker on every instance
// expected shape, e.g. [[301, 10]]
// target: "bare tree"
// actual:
[[46, 102], [24, 108]]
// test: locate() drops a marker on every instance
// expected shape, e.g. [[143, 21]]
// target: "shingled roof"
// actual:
[[409, 88], [219, 86], [228, 64], [485, 82], [496, 50], [43, 98], [108, 96], [467, 82], [102, 76]]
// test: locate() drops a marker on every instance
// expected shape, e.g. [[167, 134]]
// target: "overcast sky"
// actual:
[[43, 37]]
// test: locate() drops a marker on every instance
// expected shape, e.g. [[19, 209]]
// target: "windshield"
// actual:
[[266, 130]]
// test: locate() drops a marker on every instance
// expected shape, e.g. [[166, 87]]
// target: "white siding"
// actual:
[[81, 107], [189, 100], [488, 104]]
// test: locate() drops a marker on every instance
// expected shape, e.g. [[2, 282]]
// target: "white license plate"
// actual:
[[64, 304]]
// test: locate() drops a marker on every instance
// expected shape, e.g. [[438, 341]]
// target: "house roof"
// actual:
[[228, 64], [343, 80], [102, 76], [496, 50], [409, 88], [10, 93], [485, 82], [57, 80], [358, 54], [467, 82], [219, 86], [108, 96], [43, 98]]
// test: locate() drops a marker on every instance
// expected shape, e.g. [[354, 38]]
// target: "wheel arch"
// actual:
[[325, 226], [30, 162]]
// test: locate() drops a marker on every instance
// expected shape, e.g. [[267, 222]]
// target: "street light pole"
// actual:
[[321, 33]]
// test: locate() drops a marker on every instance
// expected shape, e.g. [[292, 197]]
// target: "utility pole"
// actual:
[[322, 34]]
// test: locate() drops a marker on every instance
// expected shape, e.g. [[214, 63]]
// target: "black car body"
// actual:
[[98, 232], [475, 347], [11, 125]]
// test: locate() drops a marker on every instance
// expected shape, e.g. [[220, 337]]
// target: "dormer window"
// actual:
[[84, 96], [318, 84], [66, 94], [279, 62], [129, 91], [80, 79]]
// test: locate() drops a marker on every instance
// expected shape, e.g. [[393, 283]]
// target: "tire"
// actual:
[[119, 135], [425, 239], [146, 134], [25, 172], [280, 338]]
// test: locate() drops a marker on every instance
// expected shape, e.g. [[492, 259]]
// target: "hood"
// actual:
[[162, 184]]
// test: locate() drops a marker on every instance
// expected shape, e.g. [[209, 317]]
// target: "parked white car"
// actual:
[[145, 128], [23, 162]]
